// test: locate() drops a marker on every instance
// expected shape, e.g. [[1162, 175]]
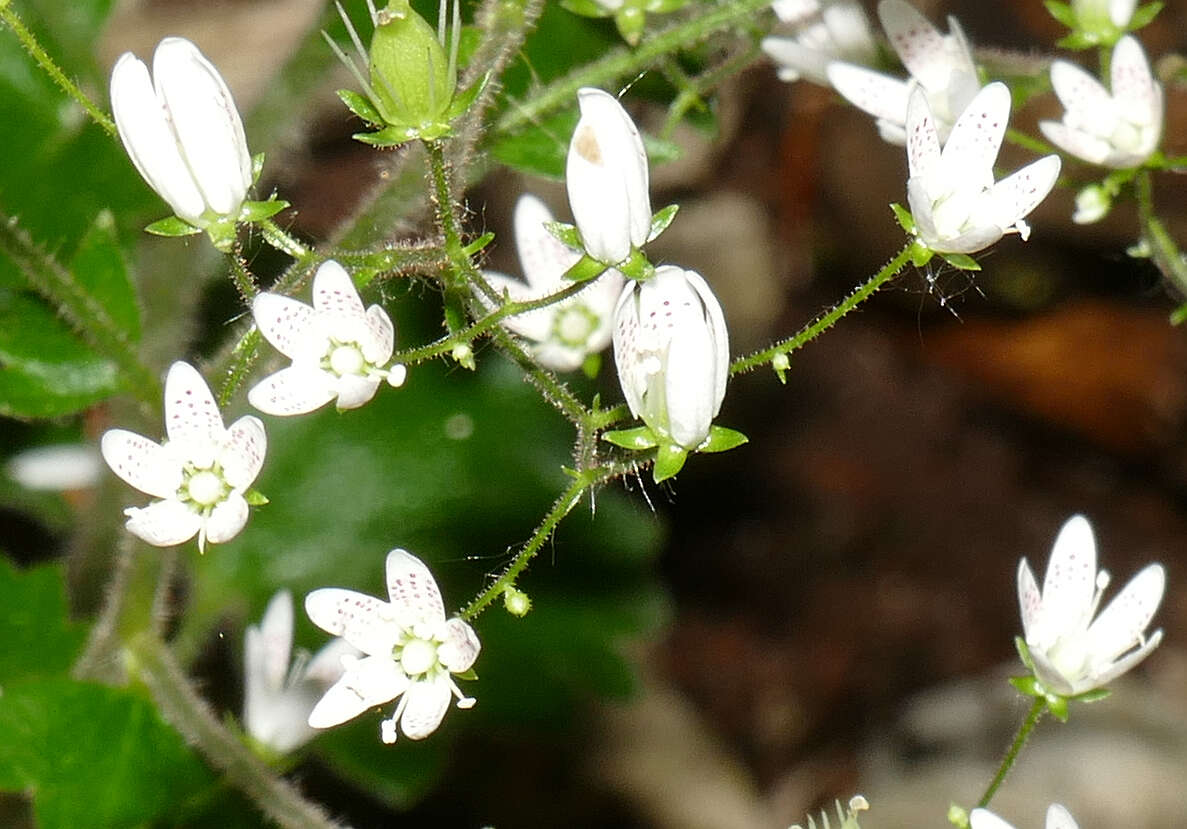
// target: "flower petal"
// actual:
[[976, 137], [1084, 97], [634, 369], [379, 338], [985, 819], [371, 681], [143, 463], [923, 141], [880, 95], [460, 649], [191, 415], [1030, 600], [353, 391], [1015, 196], [226, 519], [1105, 674], [364, 621], [334, 292], [1057, 816], [289, 326], [163, 523], [326, 665], [1069, 586], [919, 44], [425, 705], [1077, 142], [1136, 94], [1120, 625], [293, 391], [206, 122], [534, 325], [242, 454], [413, 590], [267, 648], [971, 241], [543, 257]]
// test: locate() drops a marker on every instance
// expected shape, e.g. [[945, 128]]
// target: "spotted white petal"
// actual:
[[378, 338], [412, 589], [460, 648], [141, 462], [163, 523], [1057, 816], [334, 292], [1021, 192], [1077, 142], [288, 325], [879, 95], [367, 682], [543, 257], [191, 415], [1120, 626], [1030, 600], [1070, 584], [1082, 95], [353, 390], [366, 622], [242, 454], [923, 50], [425, 704], [976, 137], [226, 519], [1108, 672], [294, 390], [923, 140], [206, 123], [1138, 96]]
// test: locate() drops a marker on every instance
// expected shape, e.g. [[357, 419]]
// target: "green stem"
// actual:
[[284, 242], [9, 17], [692, 90], [1029, 142], [1163, 249], [1032, 719], [192, 717], [80, 308], [826, 321], [623, 62], [245, 282]]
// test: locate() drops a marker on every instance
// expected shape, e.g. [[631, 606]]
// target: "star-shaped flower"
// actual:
[[200, 474], [1117, 130], [942, 65], [824, 31], [412, 651], [338, 349], [1057, 818], [956, 205], [1072, 654], [568, 331], [278, 696]]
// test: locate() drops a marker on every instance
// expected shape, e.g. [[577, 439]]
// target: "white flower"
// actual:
[[606, 175], [827, 30], [1118, 130], [1092, 204], [1057, 818], [182, 130], [337, 348], [278, 696], [1072, 653], [412, 651], [956, 204], [672, 351], [941, 64], [63, 467], [568, 331], [200, 473]]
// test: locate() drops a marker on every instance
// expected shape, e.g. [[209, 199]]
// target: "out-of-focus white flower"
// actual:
[[956, 204], [182, 131], [412, 651], [1093, 13], [607, 179], [1057, 818], [278, 696], [61, 468], [1073, 654], [566, 332], [671, 347], [201, 472], [1118, 130], [825, 31], [942, 65], [1092, 204], [337, 348]]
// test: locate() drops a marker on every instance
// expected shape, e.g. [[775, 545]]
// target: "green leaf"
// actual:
[[962, 261], [638, 439], [257, 211], [540, 149], [661, 220], [361, 106], [100, 268], [585, 269], [904, 218], [39, 639], [1063, 13], [1144, 15], [669, 459], [172, 226], [92, 756], [566, 234], [722, 439]]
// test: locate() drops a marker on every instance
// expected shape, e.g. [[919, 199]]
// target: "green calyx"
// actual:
[[411, 73]]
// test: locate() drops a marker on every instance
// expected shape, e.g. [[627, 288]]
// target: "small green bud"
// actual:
[[411, 73], [516, 602], [781, 363], [464, 356]]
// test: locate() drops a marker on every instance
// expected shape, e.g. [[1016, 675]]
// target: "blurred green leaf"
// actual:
[[100, 268], [39, 639]]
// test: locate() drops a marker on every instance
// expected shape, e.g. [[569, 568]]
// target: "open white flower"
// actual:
[[182, 131], [1057, 818], [412, 651], [200, 473], [1073, 654], [942, 65], [671, 347], [338, 349], [607, 178], [278, 696], [825, 31], [958, 208], [1117, 130], [566, 332]]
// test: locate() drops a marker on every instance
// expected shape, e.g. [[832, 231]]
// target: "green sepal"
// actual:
[[585, 269], [462, 100], [1144, 15], [1057, 705], [722, 439], [1095, 695], [638, 439], [630, 21], [591, 365], [920, 253], [567, 235], [257, 167], [1077, 41], [661, 220], [257, 211], [1062, 12], [1179, 315], [961, 261], [904, 218], [172, 226], [1024, 653], [585, 8], [468, 674], [388, 136], [361, 106], [1029, 686], [636, 266], [669, 460], [479, 243], [255, 498], [222, 234]]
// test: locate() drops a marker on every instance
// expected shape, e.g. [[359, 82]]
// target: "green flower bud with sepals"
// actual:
[[411, 73]]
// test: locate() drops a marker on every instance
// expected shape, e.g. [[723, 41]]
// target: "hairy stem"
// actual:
[[1163, 249], [1028, 724]]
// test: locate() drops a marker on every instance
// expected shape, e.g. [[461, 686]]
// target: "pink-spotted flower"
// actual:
[[607, 179], [941, 65], [956, 205], [199, 476], [565, 333], [1119, 130], [279, 694], [1071, 653], [1057, 818], [823, 31], [412, 651], [338, 349]]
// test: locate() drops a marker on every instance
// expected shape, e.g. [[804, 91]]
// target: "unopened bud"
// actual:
[[516, 602]]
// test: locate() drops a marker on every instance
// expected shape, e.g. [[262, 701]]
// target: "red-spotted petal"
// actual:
[[141, 462], [242, 455], [370, 681], [425, 704], [364, 621], [412, 589], [164, 523], [191, 415]]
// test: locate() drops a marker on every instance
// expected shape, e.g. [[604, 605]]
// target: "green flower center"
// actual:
[[418, 656], [203, 487], [573, 325], [346, 358]]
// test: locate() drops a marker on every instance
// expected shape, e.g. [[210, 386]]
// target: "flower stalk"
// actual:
[[1032, 719]]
